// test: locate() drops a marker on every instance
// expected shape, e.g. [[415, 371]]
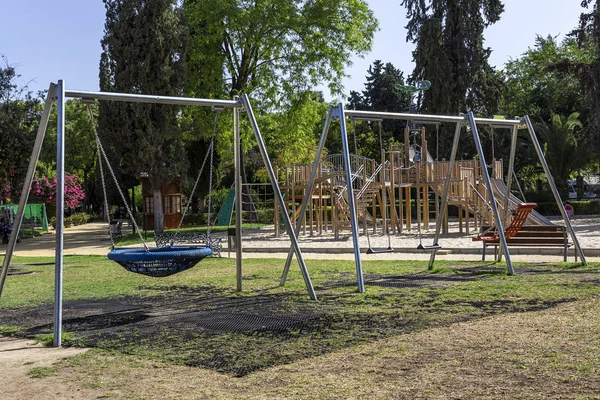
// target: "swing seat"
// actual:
[[388, 250], [431, 247], [160, 261]]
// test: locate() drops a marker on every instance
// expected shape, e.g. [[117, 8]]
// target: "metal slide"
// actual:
[[500, 192]]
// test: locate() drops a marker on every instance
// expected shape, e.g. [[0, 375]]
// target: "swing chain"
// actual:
[[210, 185], [112, 173]]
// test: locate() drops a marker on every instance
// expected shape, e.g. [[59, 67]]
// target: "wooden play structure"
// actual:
[[399, 194]]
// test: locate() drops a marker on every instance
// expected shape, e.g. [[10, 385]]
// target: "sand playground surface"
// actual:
[[93, 239]]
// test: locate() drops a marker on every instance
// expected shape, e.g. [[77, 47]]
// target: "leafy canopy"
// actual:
[[535, 87], [19, 118], [274, 48]]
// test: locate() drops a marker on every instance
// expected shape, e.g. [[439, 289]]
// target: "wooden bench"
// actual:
[[534, 236], [192, 238]]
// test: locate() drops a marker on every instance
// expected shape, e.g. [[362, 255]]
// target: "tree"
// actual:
[[380, 94], [81, 154], [274, 48], [450, 53], [292, 135], [564, 149], [533, 85], [588, 71], [144, 50], [19, 117]]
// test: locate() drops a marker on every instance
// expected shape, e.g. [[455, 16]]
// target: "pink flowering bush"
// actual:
[[44, 191]]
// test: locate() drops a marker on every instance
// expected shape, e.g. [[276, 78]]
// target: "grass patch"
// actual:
[[196, 318], [42, 372], [47, 339], [10, 330]]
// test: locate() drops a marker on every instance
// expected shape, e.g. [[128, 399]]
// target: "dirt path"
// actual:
[[19, 356]]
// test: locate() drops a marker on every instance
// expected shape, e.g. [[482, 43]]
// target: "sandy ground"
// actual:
[[19, 356], [93, 239]]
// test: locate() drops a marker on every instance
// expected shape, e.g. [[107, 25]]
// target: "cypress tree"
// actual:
[[144, 52], [450, 53]]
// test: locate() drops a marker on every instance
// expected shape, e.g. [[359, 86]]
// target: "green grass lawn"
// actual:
[[197, 318]]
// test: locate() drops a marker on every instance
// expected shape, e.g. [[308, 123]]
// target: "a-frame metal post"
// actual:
[[278, 197], [60, 213], [35, 155], [490, 189], [509, 175], [339, 113], [567, 221], [237, 148], [444, 206], [308, 192]]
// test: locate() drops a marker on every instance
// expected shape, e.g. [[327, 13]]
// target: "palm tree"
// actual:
[[564, 148]]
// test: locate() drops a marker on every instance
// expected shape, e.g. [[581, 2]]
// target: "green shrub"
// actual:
[[542, 196], [196, 219], [547, 208], [586, 207], [266, 216], [583, 207], [80, 218], [218, 198]]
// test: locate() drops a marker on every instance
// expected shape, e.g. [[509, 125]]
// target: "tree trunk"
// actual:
[[158, 208]]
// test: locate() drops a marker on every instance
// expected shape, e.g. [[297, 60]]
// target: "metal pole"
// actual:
[[442, 213], [511, 166], [351, 205], [35, 155], [237, 153], [60, 213], [279, 197], [153, 99], [488, 183], [425, 118], [538, 150], [309, 188]]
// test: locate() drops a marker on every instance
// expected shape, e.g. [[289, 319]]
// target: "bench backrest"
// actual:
[[519, 217]]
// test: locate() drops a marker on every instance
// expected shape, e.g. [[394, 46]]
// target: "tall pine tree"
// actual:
[[144, 52], [588, 36], [380, 94], [450, 53]]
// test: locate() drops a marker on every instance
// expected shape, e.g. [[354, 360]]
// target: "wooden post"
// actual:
[[407, 209]]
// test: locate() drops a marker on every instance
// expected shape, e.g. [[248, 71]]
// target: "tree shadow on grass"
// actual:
[[237, 334]]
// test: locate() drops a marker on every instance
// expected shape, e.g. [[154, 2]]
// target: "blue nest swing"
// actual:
[[161, 261]]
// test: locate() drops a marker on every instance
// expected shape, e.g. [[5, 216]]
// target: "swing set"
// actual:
[[161, 261], [173, 260], [471, 123]]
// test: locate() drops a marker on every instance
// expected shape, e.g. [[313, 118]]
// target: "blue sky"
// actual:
[[60, 39]]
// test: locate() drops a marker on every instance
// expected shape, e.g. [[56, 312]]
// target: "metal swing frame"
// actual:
[[469, 120], [58, 93]]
